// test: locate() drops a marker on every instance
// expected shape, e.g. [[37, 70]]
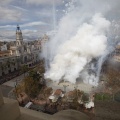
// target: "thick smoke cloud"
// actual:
[[81, 36], [74, 54]]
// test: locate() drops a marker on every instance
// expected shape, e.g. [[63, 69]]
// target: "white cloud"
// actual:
[[4, 2], [7, 14], [33, 24], [30, 24], [7, 26], [7, 35], [19, 8], [38, 2]]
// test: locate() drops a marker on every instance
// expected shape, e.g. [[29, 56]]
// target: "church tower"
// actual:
[[19, 38]]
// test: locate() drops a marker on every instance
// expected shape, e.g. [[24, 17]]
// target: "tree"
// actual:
[[47, 92], [77, 96], [32, 87], [102, 96], [85, 97], [33, 83], [19, 88], [24, 69], [35, 75]]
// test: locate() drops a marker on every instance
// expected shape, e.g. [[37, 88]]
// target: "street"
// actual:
[[69, 86], [8, 86]]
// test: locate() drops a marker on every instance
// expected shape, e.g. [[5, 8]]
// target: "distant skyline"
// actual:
[[35, 17]]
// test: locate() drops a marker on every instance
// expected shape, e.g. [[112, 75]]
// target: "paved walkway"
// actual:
[[8, 86], [14, 81], [69, 86]]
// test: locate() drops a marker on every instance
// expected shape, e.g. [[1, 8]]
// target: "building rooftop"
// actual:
[[58, 92], [70, 94]]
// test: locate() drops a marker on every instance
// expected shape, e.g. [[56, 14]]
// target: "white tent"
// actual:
[[51, 97], [89, 104]]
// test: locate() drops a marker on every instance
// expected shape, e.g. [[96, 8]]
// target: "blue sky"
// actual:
[[35, 17]]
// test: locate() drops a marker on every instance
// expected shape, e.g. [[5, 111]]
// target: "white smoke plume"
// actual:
[[78, 48]]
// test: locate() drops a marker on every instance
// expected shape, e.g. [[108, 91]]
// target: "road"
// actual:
[[14, 81], [7, 87]]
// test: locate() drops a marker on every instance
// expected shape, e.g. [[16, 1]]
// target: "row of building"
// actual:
[[17, 53]]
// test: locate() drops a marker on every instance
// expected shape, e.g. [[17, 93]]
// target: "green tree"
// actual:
[[24, 69], [32, 87], [77, 95], [35, 75], [85, 97]]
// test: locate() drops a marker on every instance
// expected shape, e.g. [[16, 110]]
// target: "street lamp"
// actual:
[[102, 82], [65, 86], [76, 86], [15, 85]]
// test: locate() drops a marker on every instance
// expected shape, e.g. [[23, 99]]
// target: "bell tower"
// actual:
[[19, 38]]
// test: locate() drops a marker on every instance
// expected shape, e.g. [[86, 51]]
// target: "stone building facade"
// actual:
[[17, 53]]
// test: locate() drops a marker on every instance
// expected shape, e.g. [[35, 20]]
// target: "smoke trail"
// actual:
[[54, 15], [71, 58]]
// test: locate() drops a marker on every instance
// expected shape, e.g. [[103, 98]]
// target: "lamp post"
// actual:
[[102, 82], [76, 86], [65, 86], [15, 85]]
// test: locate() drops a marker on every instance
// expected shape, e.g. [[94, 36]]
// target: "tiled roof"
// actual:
[[58, 92], [3, 52], [71, 94]]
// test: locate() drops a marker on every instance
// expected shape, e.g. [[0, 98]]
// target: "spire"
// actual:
[[19, 38], [18, 28]]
